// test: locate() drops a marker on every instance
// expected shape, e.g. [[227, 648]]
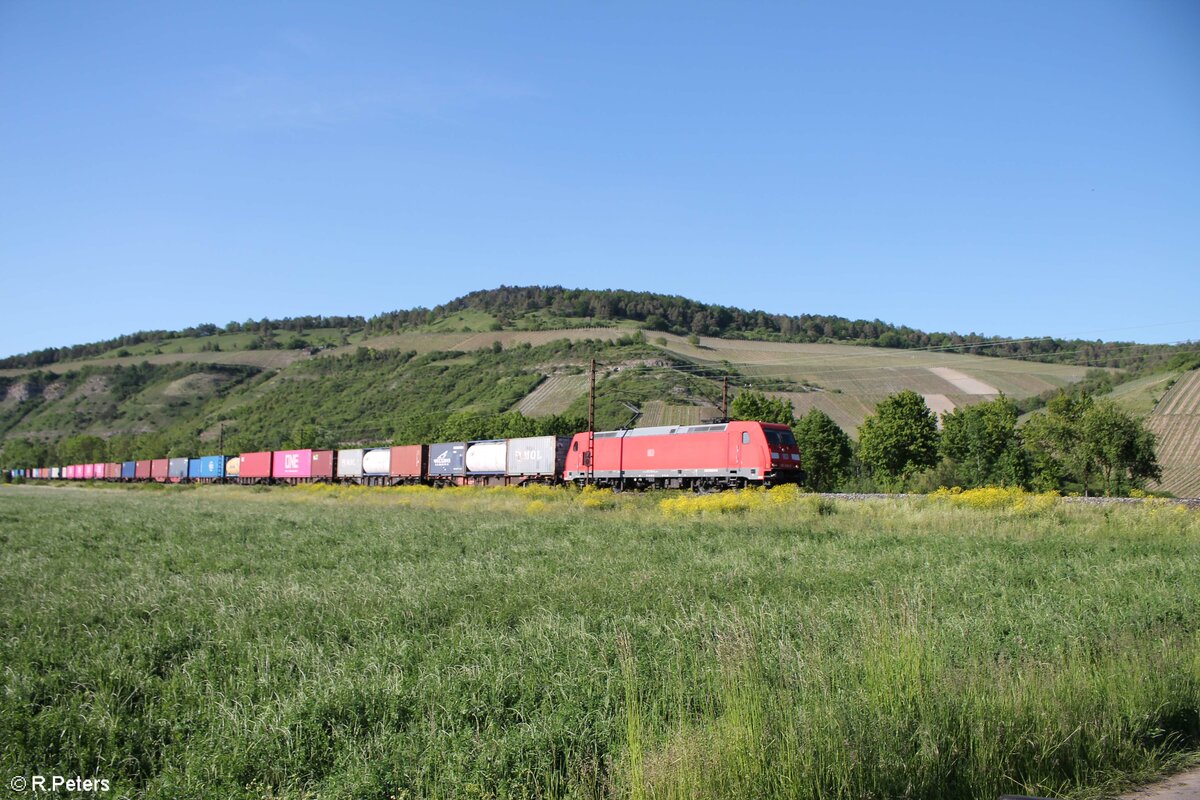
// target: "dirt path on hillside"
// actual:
[[964, 382]]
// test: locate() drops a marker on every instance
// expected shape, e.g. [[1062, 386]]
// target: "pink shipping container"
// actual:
[[71, 472], [290, 464], [142, 471], [88, 471], [255, 465], [159, 468], [98, 471], [322, 463], [408, 461]]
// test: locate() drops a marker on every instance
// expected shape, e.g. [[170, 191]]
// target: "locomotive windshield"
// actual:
[[781, 437]]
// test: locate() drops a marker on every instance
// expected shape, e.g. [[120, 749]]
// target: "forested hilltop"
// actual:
[[552, 307]]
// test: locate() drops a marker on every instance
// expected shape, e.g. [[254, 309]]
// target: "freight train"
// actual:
[[700, 457]]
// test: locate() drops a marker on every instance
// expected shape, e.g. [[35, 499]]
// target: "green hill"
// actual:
[[400, 377]]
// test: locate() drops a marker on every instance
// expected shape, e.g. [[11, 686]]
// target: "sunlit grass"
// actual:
[[538, 642]]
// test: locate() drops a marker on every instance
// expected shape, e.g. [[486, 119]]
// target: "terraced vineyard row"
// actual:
[[553, 395], [1176, 423], [1184, 396]]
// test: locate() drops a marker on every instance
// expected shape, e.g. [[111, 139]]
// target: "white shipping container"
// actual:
[[350, 463], [377, 462], [487, 457], [537, 455]]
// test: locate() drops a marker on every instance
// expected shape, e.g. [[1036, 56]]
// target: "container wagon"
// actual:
[[407, 464], [177, 470], [255, 468], [350, 465], [291, 466], [377, 466], [447, 465]]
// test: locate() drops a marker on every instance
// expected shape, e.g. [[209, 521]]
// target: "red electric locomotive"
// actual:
[[726, 455]]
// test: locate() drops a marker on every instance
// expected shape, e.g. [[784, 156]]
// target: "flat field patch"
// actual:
[[327, 642]]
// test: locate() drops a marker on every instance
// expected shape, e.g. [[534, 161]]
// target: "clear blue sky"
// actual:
[[1013, 168]]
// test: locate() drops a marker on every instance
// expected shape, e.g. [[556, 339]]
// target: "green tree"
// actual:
[[83, 449], [825, 451], [25, 453], [752, 405], [1122, 447], [900, 439], [463, 426], [983, 446], [1059, 455]]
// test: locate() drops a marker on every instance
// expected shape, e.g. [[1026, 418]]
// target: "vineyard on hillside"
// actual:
[[1176, 423]]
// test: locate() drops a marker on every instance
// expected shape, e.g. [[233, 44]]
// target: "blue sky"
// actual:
[[1011, 168]]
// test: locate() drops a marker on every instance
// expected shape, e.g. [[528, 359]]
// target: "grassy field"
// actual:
[[220, 641]]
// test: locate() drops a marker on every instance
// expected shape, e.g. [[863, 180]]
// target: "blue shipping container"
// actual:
[[212, 466], [194, 468], [448, 458], [128, 470]]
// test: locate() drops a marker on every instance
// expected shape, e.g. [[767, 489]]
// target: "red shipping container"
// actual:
[[322, 464], [112, 471], [141, 470], [159, 467], [256, 465], [409, 461], [290, 464]]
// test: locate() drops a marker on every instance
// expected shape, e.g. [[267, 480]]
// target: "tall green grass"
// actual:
[[504, 643]]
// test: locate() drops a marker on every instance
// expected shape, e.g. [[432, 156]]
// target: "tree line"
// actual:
[[656, 312], [1078, 444]]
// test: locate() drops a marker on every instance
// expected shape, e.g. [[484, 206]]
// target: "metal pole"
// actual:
[[591, 468], [725, 398]]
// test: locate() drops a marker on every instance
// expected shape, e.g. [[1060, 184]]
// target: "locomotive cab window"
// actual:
[[746, 437], [781, 437]]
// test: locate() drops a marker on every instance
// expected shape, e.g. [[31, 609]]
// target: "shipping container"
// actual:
[[56, 472], [159, 468], [291, 465], [212, 467], [447, 459], [407, 462], [322, 464], [537, 456], [377, 462], [255, 466], [112, 471], [98, 471], [142, 471], [350, 464], [195, 468], [88, 471], [233, 467], [485, 462], [487, 458], [177, 469], [129, 470]]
